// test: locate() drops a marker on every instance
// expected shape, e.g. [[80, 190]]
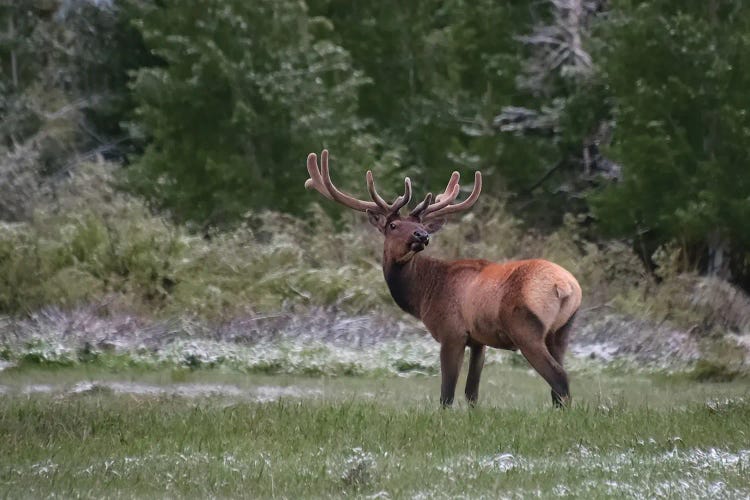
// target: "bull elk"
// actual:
[[526, 305]]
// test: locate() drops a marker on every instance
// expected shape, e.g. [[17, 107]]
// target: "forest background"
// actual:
[[152, 151]]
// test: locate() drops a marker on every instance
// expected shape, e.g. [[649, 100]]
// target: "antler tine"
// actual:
[[404, 199], [450, 188], [315, 181], [320, 180], [464, 205], [398, 202], [442, 200], [417, 212], [374, 193]]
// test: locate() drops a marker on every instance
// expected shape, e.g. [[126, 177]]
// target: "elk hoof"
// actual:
[[561, 401]]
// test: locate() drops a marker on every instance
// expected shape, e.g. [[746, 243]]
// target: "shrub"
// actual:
[[97, 245]]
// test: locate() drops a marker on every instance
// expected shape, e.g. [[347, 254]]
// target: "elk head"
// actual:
[[405, 235]]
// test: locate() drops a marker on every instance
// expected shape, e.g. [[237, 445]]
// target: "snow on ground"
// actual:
[[317, 340]]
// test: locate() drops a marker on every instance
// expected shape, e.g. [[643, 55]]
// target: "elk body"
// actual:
[[526, 305]]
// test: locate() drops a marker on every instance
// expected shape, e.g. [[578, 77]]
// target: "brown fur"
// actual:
[[520, 305], [526, 305]]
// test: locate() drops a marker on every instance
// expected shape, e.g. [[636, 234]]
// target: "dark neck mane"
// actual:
[[412, 283]]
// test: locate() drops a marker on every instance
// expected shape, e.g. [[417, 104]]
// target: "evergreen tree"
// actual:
[[440, 70], [676, 74], [243, 91]]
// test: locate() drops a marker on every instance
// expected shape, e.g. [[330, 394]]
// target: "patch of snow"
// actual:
[[500, 463], [37, 388], [265, 394], [561, 490], [711, 458], [743, 342], [315, 341], [380, 495], [603, 351], [44, 468], [260, 394], [616, 336]]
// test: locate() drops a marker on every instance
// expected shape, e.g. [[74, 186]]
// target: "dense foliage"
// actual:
[[63, 95], [629, 114], [241, 92], [674, 71], [98, 248]]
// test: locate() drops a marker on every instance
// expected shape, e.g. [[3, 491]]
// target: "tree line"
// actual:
[[630, 114]]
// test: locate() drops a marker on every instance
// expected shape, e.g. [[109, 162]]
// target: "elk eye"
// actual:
[[392, 225]]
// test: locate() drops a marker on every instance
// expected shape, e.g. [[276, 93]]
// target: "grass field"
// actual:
[[88, 432]]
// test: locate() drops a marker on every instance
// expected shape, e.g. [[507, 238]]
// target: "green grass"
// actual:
[[626, 436]]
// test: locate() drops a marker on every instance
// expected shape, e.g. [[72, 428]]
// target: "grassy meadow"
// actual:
[[181, 318], [140, 359], [91, 432]]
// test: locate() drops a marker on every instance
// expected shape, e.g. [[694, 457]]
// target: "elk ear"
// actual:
[[377, 220], [434, 225]]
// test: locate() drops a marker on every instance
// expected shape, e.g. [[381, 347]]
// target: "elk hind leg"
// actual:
[[451, 359], [476, 363], [542, 361], [557, 342], [528, 334]]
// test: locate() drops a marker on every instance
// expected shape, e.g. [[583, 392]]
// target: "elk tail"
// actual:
[[563, 290]]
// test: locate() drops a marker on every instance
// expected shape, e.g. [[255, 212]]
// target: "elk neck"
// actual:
[[413, 283]]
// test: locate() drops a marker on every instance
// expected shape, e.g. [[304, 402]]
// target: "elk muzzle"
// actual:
[[420, 239]]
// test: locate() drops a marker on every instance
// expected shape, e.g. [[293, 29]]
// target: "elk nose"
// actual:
[[422, 236]]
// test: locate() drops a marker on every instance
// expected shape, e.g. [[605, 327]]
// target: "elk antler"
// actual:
[[442, 206], [320, 180]]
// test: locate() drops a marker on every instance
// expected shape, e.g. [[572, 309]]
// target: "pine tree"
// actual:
[[243, 91], [675, 72]]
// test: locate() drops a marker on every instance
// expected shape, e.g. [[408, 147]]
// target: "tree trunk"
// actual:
[[13, 63], [718, 256]]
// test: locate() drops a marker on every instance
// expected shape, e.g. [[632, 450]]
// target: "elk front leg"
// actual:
[[451, 359], [476, 363]]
